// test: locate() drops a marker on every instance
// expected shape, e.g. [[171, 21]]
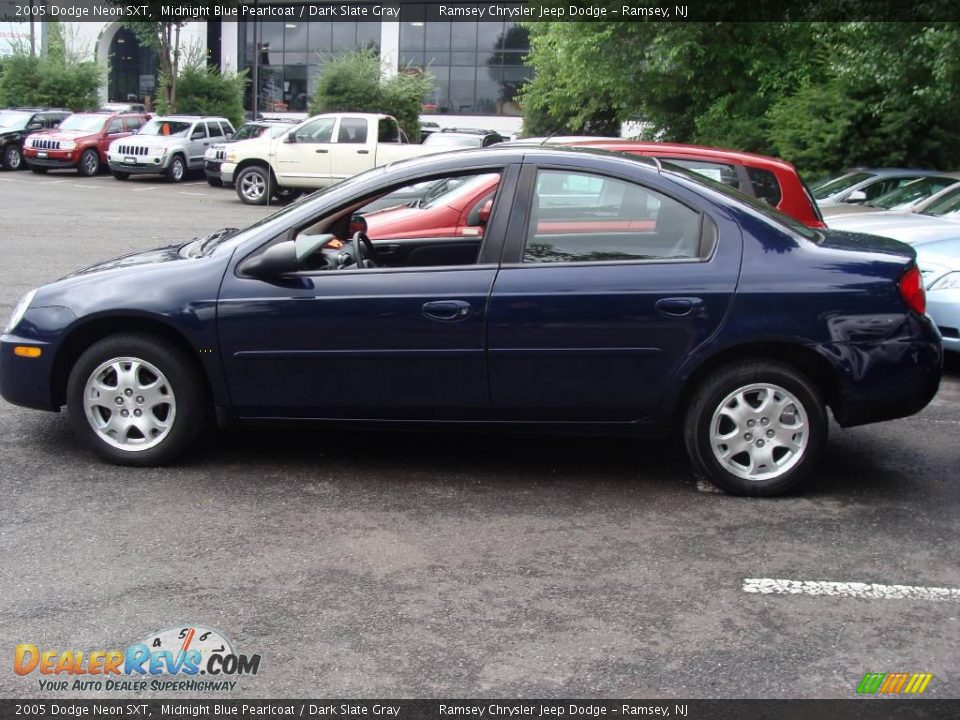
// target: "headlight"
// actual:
[[28, 142], [950, 281], [159, 150], [68, 145], [231, 156], [19, 311]]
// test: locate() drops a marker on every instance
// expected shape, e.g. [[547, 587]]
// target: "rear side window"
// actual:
[[720, 172], [387, 131], [352, 130], [580, 217], [765, 185]]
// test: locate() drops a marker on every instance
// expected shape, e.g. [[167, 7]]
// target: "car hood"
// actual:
[[156, 256], [64, 134], [5, 133], [907, 227], [153, 140]]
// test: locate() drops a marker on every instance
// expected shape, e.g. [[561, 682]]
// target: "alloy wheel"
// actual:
[[253, 186]]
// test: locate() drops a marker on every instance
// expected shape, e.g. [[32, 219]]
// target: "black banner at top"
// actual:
[[437, 11]]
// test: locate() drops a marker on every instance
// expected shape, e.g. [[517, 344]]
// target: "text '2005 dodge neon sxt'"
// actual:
[[559, 290]]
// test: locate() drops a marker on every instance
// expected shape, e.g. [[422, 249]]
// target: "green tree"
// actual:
[[204, 90], [355, 82]]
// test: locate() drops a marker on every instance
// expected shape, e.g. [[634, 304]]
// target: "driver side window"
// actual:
[[319, 131], [437, 222]]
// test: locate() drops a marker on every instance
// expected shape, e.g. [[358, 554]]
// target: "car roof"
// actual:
[[189, 118], [705, 151]]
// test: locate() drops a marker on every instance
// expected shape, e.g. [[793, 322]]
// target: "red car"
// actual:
[[766, 178], [80, 141]]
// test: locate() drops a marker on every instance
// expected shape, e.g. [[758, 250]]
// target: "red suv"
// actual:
[[766, 178], [80, 141]]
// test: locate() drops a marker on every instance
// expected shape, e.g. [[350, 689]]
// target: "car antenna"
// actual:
[[544, 141]]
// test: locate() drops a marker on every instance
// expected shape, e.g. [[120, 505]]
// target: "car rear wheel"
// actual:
[[135, 400], [755, 428], [177, 170], [252, 183], [12, 158], [89, 163], [119, 175]]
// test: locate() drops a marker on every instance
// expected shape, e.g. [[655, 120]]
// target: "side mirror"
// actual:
[[857, 196], [34, 126], [291, 137], [480, 215], [198, 135], [279, 259]]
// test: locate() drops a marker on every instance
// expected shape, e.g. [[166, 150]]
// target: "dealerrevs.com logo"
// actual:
[[191, 658]]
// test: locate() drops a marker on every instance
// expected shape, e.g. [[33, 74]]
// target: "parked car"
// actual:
[[169, 145], [864, 184], [319, 152], [939, 263], [558, 319], [80, 141], [449, 138], [16, 124], [940, 220], [215, 155], [765, 178], [902, 199], [124, 107]]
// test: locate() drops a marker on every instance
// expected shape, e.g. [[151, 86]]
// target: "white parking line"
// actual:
[[56, 182], [863, 591], [8, 179], [190, 193], [143, 189]]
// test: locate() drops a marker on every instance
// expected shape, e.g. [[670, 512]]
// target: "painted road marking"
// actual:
[[190, 193], [56, 182], [144, 188], [864, 591]]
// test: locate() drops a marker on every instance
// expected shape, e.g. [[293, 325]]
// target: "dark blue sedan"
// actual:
[[591, 292]]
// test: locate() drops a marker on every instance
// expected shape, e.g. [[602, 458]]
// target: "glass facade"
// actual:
[[291, 54], [477, 66]]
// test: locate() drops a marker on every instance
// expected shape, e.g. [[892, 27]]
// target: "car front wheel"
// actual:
[[177, 170], [89, 163], [755, 428], [136, 400], [252, 185], [12, 158]]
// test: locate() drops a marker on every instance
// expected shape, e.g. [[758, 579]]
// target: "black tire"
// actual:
[[286, 195], [89, 164], [252, 183], [709, 399], [177, 170], [214, 182], [12, 158], [182, 381], [38, 169], [120, 175]]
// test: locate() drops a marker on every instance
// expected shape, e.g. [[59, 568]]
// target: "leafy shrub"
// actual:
[[355, 82], [49, 81], [204, 90]]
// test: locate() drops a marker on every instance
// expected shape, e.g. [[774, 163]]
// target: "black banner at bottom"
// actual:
[[854, 709]]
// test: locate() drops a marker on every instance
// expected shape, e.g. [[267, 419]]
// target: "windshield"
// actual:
[[171, 128], [88, 123], [444, 140], [14, 120], [447, 190], [759, 205], [912, 193], [948, 206], [832, 187]]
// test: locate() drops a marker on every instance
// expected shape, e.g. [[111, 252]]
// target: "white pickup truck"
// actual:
[[318, 152]]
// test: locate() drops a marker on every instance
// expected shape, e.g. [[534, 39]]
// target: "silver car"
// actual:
[[939, 262], [911, 197], [168, 145], [863, 184]]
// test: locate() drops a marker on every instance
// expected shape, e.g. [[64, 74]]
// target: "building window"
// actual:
[[292, 53], [477, 66]]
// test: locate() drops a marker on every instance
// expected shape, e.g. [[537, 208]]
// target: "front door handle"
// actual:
[[363, 152], [679, 306], [322, 150], [446, 310]]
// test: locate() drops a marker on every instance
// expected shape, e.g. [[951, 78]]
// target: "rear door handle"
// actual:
[[679, 306], [446, 310]]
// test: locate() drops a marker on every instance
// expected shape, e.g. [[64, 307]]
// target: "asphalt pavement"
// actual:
[[374, 564]]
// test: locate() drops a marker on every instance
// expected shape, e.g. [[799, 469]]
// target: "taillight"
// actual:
[[911, 290]]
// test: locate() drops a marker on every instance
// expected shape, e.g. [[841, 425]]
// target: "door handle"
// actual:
[[321, 150], [678, 306], [446, 310], [363, 152]]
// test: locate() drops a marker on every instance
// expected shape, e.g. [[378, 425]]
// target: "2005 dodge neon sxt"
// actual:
[[595, 292]]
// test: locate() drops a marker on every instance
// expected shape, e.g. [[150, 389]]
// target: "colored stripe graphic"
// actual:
[[894, 683]]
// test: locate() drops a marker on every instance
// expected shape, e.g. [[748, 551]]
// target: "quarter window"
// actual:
[[352, 130], [765, 185], [578, 217]]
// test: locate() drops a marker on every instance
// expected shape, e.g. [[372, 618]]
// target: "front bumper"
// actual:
[[212, 168], [143, 164], [51, 158], [227, 171]]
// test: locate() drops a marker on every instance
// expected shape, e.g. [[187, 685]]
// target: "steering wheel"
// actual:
[[360, 240]]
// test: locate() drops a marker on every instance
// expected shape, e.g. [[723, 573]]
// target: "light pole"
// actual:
[[256, 61]]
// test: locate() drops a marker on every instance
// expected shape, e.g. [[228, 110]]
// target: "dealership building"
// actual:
[[477, 65]]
